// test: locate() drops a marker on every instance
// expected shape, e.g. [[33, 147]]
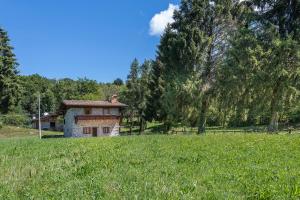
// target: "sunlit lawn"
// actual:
[[215, 166]]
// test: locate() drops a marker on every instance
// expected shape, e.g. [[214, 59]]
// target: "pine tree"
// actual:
[[174, 72], [143, 93], [262, 66], [156, 89], [281, 21], [131, 94], [9, 83], [194, 46], [118, 82]]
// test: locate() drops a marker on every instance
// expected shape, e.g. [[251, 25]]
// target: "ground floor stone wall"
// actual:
[[74, 128], [77, 129]]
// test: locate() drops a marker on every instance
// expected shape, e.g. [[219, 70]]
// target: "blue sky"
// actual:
[[96, 39]]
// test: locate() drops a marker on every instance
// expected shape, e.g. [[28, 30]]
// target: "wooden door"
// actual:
[[95, 131]]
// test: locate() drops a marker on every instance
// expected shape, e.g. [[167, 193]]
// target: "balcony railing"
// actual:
[[95, 117]]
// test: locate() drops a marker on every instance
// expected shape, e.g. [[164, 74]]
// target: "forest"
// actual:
[[226, 63]]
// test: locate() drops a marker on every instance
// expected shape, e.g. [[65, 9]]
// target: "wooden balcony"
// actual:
[[95, 117]]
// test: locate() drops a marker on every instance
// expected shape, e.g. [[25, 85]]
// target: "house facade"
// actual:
[[92, 118], [48, 122]]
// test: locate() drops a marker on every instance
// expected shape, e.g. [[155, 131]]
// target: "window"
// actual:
[[106, 111], [106, 130], [52, 124], [87, 111], [87, 130]]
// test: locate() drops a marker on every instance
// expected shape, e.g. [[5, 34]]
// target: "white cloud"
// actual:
[[160, 20]]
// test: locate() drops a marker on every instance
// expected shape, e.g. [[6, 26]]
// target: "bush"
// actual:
[[15, 120]]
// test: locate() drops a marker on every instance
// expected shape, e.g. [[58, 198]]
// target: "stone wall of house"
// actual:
[[113, 124], [71, 129]]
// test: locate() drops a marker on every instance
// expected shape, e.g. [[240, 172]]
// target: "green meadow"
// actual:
[[214, 166]]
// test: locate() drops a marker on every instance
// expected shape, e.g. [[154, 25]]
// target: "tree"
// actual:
[[118, 82], [280, 22], [65, 89], [137, 93], [33, 86], [88, 90], [194, 46], [262, 66], [9, 84], [131, 94], [109, 90], [143, 93], [156, 88], [283, 78]]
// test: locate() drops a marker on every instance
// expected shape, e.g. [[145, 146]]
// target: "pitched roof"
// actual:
[[46, 117], [84, 103]]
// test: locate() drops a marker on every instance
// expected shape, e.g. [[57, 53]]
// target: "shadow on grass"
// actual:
[[52, 136], [153, 130]]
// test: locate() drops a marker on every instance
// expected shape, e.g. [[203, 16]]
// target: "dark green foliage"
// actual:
[[33, 86], [192, 48], [53, 92], [156, 85], [12, 119], [259, 78], [137, 94], [130, 95], [144, 93], [230, 63], [88, 90], [118, 82], [108, 90], [65, 89], [9, 84]]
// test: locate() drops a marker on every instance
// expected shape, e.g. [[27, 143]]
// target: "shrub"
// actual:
[[13, 119]]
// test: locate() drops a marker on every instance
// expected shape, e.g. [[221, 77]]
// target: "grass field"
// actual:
[[19, 132], [215, 166]]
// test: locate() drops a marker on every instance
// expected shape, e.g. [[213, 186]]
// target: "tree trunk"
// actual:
[[207, 77], [224, 119], [130, 128], [273, 126], [167, 126], [202, 122], [142, 126]]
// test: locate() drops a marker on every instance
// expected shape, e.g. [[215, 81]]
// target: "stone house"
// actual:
[[50, 122], [92, 118]]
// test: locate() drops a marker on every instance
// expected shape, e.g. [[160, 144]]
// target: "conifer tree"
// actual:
[[194, 46], [9, 84], [143, 93], [262, 67], [130, 95], [156, 88]]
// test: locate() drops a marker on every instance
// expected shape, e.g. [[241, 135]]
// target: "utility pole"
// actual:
[[40, 128]]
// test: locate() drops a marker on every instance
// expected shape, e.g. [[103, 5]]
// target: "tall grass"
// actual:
[[222, 166]]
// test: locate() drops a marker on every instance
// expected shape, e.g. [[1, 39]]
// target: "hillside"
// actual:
[[20, 132], [216, 166]]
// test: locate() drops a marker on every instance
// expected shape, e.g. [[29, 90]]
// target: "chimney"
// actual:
[[114, 99]]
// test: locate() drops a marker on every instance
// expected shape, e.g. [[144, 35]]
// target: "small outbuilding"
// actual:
[[48, 122]]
